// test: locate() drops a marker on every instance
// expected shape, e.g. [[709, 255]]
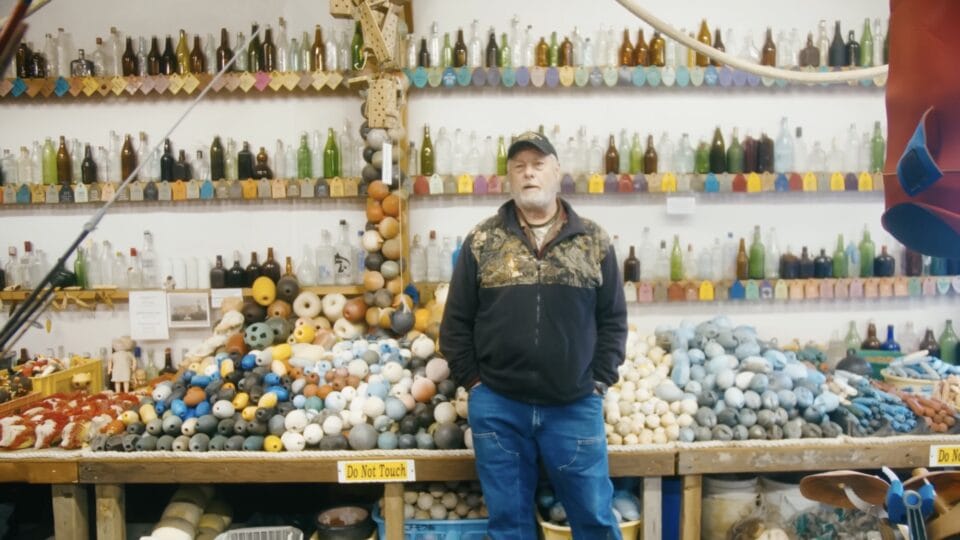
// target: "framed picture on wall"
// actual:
[[188, 309]]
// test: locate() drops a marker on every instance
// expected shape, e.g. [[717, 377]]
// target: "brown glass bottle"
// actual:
[[611, 158], [88, 167], [718, 153], [749, 154], [913, 263], [810, 54], [631, 267], [168, 362], [198, 62], [658, 55], [224, 52], [168, 61], [806, 264], [565, 56], [542, 52], [626, 50], [316, 51], [218, 275], [768, 56], [423, 57], [166, 162], [269, 51], [245, 162], [216, 159], [852, 50], [261, 170], [718, 45], [789, 266], [23, 57], [128, 158], [703, 36], [493, 51], [182, 169], [254, 50], [64, 170], [764, 154], [641, 52], [930, 343], [128, 62], [252, 271], [650, 157], [271, 268], [153, 57], [743, 262], [871, 342], [459, 50], [236, 276]]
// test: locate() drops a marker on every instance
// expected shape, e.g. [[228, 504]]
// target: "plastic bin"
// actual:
[[629, 530], [440, 529], [62, 381], [878, 360], [262, 533]]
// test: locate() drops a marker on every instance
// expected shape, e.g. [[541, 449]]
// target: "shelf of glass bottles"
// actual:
[[609, 77], [89, 298], [173, 85], [610, 183], [771, 290], [178, 191]]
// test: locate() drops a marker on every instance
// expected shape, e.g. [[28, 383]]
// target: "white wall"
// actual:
[[205, 229]]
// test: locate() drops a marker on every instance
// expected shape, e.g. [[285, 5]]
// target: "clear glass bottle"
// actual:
[[149, 263], [134, 271], [446, 259], [343, 259], [432, 251]]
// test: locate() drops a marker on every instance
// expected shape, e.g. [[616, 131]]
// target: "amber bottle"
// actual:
[[611, 158], [641, 52], [88, 168], [650, 157], [168, 61], [236, 276], [631, 267], [198, 62], [626, 50], [542, 53], [224, 52], [128, 158], [271, 268], [153, 57], [768, 56], [459, 50], [913, 263], [493, 51], [269, 51], [216, 159], [718, 153], [316, 50], [703, 37], [658, 55], [128, 62], [871, 342], [182, 169], [810, 54], [789, 266], [254, 51], [765, 154], [64, 171], [930, 343], [743, 262], [565, 56], [261, 170], [252, 271], [718, 45], [168, 362], [218, 274]]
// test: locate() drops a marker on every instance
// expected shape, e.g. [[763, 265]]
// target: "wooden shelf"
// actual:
[[54, 467], [108, 296], [635, 77], [236, 83]]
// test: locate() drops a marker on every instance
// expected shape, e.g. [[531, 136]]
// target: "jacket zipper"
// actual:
[[536, 333]]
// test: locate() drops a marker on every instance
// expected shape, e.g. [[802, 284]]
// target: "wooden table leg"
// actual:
[[111, 514], [692, 498], [393, 510], [70, 520], [652, 503]]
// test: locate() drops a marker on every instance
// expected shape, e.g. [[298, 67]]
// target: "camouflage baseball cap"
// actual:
[[531, 139]]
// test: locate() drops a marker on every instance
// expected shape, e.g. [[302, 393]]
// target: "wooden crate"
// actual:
[[15, 405], [62, 381]]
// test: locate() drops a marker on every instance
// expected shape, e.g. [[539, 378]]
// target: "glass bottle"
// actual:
[[735, 158], [80, 268], [840, 259], [626, 50], [765, 154], [134, 271], [168, 60], [129, 63], [757, 255], [867, 254], [611, 157], [806, 265], [768, 55], [501, 157], [884, 265], [261, 169], [872, 342], [216, 159], [252, 271], [63, 165], [810, 54], [343, 257], [631, 267], [718, 45], [542, 53], [304, 159], [718, 153], [418, 260], [317, 51], [197, 60], [783, 161], [877, 148], [641, 52], [837, 55], [890, 344], [423, 57], [245, 162], [930, 344], [88, 169], [270, 267], [432, 254], [852, 340], [183, 54], [493, 51], [650, 157], [331, 156], [866, 45], [154, 61], [224, 52], [703, 36], [254, 50], [166, 162], [182, 169], [218, 274], [356, 48], [426, 153], [852, 55], [743, 262], [149, 266], [325, 259], [658, 47], [268, 51], [822, 265], [128, 158], [948, 344], [676, 260]]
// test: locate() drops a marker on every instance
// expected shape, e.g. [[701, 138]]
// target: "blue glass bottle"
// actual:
[[890, 344]]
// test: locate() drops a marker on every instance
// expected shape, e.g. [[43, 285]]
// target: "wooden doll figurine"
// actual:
[[122, 364]]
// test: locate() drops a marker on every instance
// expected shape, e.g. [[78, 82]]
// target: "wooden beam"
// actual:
[[647, 463], [690, 507], [111, 513], [70, 521], [39, 472], [393, 510], [652, 503]]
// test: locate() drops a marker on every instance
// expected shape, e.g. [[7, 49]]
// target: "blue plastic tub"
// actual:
[[429, 529]]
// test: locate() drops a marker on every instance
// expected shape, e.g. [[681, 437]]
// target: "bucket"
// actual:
[[780, 497], [726, 500]]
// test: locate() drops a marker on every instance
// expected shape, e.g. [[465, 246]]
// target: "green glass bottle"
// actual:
[[839, 259], [636, 155], [701, 159], [877, 149], [867, 254], [80, 269], [427, 163], [853, 340], [216, 159], [948, 344], [304, 159], [183, 53], [331, 156], [866, 45], [718, 153], [254, 51], [735, 154], [356, 48], [446, 54], [501, 157], [676, 260], [553, 54], [757, 253], [48, 162], [505, 59]]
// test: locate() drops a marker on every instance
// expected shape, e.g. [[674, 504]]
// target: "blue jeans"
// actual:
[[509, 436]]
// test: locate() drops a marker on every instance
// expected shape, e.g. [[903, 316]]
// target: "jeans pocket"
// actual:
[[488, 444], [585, 454]]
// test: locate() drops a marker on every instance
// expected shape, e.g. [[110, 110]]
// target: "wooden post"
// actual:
[[690, 507], [652, 503], [393, 510], [70, 520], [111, 514]]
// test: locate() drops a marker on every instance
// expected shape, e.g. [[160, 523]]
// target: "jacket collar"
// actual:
[[574, 226]]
